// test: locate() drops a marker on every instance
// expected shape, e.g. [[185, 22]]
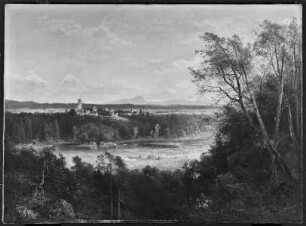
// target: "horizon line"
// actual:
[[213, 105]]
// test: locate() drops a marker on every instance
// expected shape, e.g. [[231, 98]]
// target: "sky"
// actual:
[[102, 53]]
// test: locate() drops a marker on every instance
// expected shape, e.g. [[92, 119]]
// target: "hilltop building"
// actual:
[[93, 111], [79, 104]]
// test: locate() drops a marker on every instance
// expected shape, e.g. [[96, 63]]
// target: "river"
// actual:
[[165, 155]]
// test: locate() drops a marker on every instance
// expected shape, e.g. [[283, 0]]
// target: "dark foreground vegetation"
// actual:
[[252, 172], [230, 183]]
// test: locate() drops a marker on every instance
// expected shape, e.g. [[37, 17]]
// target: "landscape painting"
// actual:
[[152, 113]]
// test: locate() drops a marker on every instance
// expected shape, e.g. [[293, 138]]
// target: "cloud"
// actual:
[[204, 25], [155, 60], [69, 81], [183, 63], [25, 87], [194, 38], [142, 66], [35, 80], [31, 79], [69, 86], [146, 47], [104, 32], [63, 27]]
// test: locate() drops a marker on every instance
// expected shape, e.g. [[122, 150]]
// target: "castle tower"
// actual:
[[79, 104]]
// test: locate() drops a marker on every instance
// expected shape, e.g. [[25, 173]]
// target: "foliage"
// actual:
[[143, 194], [25, 127]]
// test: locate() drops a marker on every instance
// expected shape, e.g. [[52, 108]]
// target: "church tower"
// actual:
[[79, 104]]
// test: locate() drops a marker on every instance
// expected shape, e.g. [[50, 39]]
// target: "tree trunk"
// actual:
[[111, 199], [279, 110], [264, 133], [187, 199], [244, 110], [119, 207], [297, 81], [295, 142], [297, 117], [278, 166], [292, 135], [43, 175]]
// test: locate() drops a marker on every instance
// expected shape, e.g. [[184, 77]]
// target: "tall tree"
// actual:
[[28, 128], [111, 166], [229, 68], [45, 131], [56, 130], [21, 132], [120, 167], [294, 74], [225, 62], [272, 45], [279, 47]]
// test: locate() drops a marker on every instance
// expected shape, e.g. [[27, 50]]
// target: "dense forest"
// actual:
[[252, 172], [27, 127]]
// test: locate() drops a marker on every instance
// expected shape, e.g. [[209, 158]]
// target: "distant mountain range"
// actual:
[[139, 100], [135, 100]]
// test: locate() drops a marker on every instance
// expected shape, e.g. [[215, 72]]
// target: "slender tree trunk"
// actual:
[[119, 207], [295, 142], [43, 175], [111, 198], [39, 190], [278, 166], [292, 135], [297, 81], [279, 110], [298, 91], [188, 208], [187, 200], [244, 110], [264, 133], [297, 117]]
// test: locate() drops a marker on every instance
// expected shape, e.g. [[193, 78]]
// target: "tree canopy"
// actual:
[[238, 71]]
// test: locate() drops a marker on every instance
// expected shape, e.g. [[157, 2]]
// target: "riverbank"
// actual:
[[36, 146], [141, 142]]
